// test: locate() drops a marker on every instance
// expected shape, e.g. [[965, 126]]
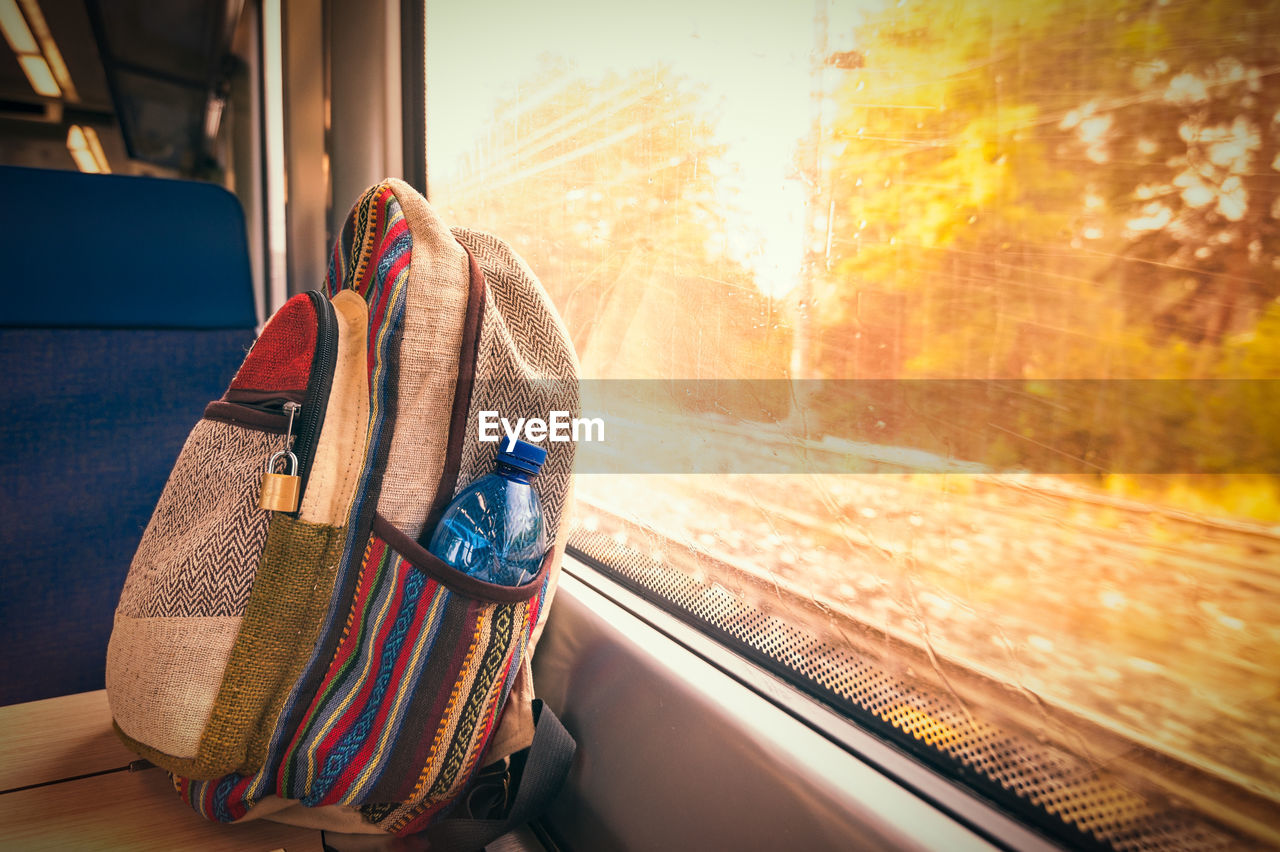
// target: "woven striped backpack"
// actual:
[[317, 665]]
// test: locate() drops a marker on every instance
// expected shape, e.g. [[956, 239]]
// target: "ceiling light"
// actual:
[[84, 161], [79, 148], [213, 117], [42, 62], [95, 148], [39, 75], [86, 150], [16, 31], [49, 47]]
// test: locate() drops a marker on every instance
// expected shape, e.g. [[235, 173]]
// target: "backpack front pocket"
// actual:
[[415, 687], [187, 588], [218, 615], [192, 577]]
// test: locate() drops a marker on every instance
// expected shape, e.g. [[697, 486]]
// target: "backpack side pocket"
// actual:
[[222, 594], [295, 579], [414, 691], [182, 602]]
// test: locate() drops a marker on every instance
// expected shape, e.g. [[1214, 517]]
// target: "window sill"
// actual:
[[683, 744]]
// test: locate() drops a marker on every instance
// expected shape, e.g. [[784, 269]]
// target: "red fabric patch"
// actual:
[[281, 358]]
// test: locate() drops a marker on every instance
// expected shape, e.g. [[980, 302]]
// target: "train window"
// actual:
[[960, 323]]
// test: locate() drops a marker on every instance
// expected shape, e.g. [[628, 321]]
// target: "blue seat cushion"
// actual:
[[93, 420], [108, 251]]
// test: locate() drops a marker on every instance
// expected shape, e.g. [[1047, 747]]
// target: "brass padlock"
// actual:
[[280, 490]]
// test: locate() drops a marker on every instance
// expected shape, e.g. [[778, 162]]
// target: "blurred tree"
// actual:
[[609, 190], [1059, 190], [1190, 162], [1052, 184], [951, 185]]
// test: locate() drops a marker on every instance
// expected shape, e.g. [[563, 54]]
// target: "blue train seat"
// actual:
[[128, 306]]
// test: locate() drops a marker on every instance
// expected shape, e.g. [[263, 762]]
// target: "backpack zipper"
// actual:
[[316, 400], [307, 419]]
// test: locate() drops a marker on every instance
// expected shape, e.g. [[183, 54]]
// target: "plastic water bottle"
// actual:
[[493, 529]]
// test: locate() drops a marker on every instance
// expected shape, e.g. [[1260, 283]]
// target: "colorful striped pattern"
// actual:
[[371, 257], [407, 683], [407, 706], [412, 694]]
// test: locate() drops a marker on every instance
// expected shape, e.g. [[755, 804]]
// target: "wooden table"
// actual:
[[66, 784]]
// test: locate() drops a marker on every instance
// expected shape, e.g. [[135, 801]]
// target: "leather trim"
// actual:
[[248, 418], [428, 562], [252, 396]]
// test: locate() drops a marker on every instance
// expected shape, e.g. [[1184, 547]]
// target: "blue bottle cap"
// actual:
[[521, 455]]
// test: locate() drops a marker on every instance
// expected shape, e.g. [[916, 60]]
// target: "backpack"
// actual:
[[314, 663]]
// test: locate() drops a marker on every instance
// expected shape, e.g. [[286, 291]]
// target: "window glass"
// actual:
[[938, 343]]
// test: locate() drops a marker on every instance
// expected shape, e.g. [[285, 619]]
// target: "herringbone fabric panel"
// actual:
[[526, 367], [200, 551]]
